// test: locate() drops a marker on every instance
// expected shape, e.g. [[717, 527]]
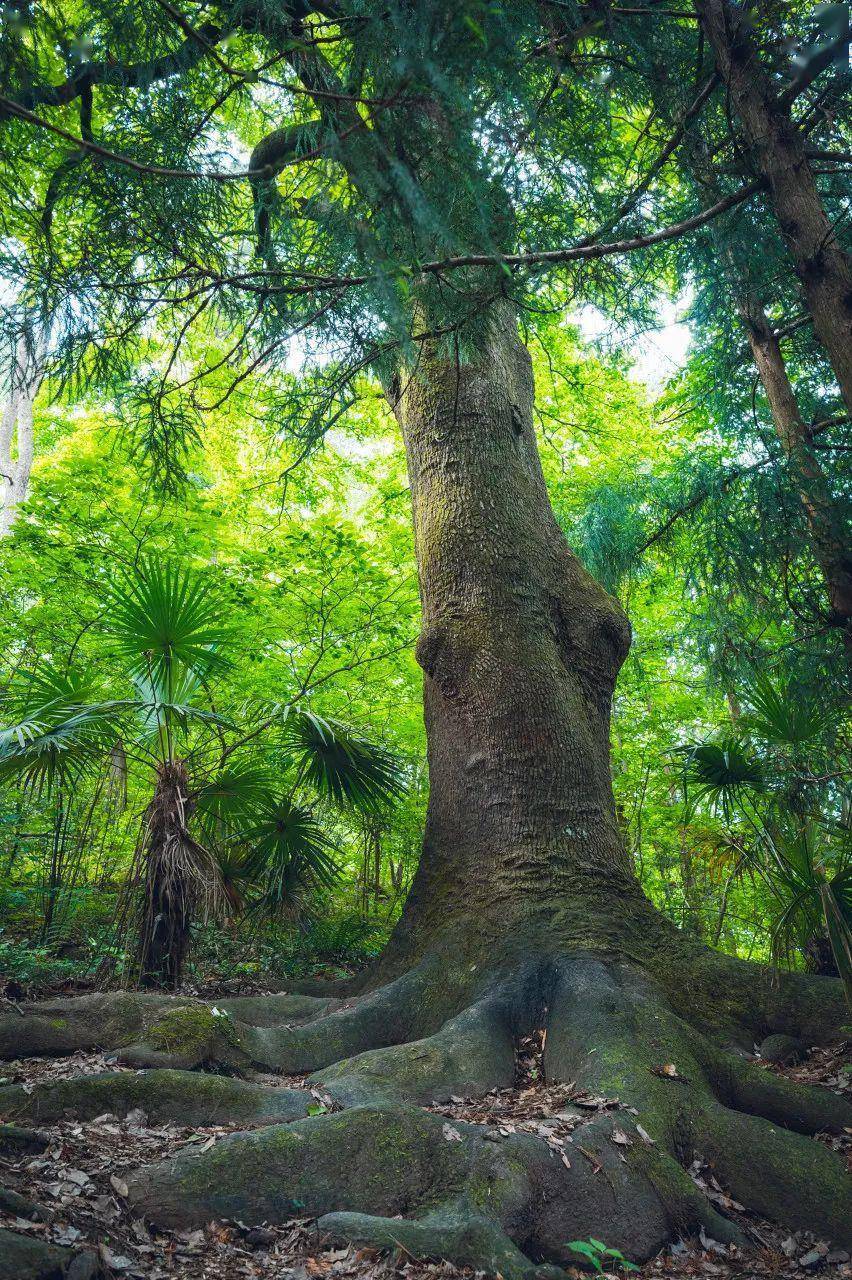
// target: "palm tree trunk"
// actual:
[[169, 889]]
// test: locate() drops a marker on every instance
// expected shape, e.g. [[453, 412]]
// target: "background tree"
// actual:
[[24, 370]]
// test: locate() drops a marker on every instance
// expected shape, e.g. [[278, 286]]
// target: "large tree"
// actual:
[[401, 188]]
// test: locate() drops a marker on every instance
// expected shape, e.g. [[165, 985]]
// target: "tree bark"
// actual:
[[778, 151], [829, 539], [520, 649], [16, 426]]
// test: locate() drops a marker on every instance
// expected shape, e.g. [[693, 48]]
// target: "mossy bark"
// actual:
[[23, 1258], [520, 649], [524, 914]]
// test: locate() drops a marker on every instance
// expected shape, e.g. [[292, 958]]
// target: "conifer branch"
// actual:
[[133, 75]]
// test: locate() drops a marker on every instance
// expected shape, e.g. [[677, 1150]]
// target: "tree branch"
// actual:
[[584, 250], [135, 75], [818, 62], [117, 157], [272, 154], [698, 501], [644, 183]]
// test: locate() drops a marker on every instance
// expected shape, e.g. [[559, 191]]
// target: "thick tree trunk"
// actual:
[[520, 649], [778, 151]]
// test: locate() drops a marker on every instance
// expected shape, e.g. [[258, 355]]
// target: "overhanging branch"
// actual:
[[584, 250], [135, 75], [157, 171], [272, 154]]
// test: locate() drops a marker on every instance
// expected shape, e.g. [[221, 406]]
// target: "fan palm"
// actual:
[[205, 832], [721, 774], [810, 870], [763, 777], [290, 858]]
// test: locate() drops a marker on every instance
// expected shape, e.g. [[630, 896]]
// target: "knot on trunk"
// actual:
[[442, 660], [593, 638]]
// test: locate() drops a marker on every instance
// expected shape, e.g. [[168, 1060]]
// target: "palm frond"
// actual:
[[230, 801], [289, 857], [780, 716], [164, 621], [157, 706], [342, 766], [719, 773], [836, 899], [57, 737]]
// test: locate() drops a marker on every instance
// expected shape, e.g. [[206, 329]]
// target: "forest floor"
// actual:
[[79, 1179]]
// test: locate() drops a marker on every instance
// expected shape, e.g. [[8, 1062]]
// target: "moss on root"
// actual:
[[380, 1159], [485, 1200], [469, 1055], [189, 1097], [193, 1034], [158, 1024], [23, 1258], [389, 1160]]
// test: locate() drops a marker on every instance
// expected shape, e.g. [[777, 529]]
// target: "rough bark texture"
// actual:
[[173, 880], [524, 915], [520, 649], [778, 151]]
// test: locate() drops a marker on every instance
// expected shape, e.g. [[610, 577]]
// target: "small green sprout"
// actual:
[[597, 1253]]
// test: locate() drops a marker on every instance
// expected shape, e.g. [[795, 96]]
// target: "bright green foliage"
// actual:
[[163, 626], [794, 833], [598, 1255]]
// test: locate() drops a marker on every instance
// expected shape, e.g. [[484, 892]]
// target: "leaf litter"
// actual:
[[81, 1179]]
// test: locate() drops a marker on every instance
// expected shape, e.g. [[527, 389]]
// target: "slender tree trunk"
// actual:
[[828, 534], [16, 425], [169, 889], [520, 649], [778, 152], [829, 540]]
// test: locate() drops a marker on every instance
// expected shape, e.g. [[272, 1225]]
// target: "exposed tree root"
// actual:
[[457, 1189], [15, 1141], [468, 1055], [22, 1258], [188, 1096], [383, 1171], [21, 1207], [170, 1030]]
